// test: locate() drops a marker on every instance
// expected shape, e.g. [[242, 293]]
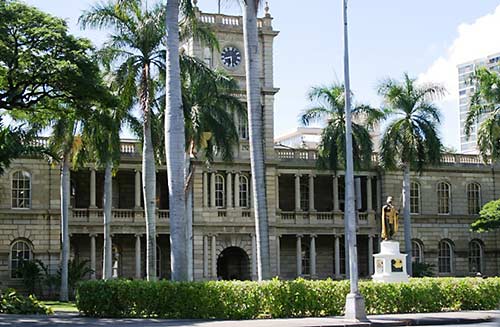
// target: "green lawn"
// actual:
[[58, 306]]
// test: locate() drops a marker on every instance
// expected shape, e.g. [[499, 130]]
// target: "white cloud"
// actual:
[[474, 40]]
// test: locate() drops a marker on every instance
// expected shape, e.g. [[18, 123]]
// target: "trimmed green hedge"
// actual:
[[278, 299]]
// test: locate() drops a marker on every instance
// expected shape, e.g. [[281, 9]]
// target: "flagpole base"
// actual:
[[355, 308]]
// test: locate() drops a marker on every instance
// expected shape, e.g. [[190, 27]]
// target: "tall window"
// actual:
[[21, 189], [306, 256], [304, 193], [20, 251], [414, 198], [219, 191], [445, 257], [475, 256], [473, 198], [443, 194], [158, 262], [417, 253], [243, 128], [116, 262], [341, 189], [244, 196]]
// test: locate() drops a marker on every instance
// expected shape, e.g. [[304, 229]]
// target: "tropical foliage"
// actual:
[[328, 107], [489, 217], [13, 303], [411, 138]]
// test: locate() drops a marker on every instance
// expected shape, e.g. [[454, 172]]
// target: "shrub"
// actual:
[[422, 269], [279, 299], [13, 303]]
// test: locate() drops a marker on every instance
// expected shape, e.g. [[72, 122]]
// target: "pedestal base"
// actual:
[[355, 308], [390, 264]]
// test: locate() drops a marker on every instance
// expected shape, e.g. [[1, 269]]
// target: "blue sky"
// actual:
[[426, 38]]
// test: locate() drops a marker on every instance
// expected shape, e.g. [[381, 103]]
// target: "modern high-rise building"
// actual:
[[466, 89]]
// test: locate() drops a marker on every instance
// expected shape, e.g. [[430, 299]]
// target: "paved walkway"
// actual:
[[473, 318]]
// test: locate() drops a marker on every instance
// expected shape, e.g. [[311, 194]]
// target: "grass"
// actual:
[[59, 306]]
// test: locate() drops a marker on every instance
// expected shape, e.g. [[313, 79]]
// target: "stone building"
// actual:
[[305, 205]]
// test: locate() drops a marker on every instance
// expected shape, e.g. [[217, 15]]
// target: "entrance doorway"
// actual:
[[233, 264]]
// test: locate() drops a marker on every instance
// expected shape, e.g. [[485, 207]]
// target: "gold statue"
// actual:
[[389, 220]]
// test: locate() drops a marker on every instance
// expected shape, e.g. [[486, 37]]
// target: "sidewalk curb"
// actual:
[[430, 321]]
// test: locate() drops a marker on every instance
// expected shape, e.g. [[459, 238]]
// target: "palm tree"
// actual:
[[256, 128], [485, 110], [329, 107], [135, 48], [411, 137]]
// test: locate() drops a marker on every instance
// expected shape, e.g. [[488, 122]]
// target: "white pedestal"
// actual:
[[390, 264]]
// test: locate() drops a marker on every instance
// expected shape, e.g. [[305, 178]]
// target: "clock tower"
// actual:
[[231, 58]]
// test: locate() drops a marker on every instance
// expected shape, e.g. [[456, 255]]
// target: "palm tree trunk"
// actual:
[[175, 147], [407, 216], [107, 262], [252, 62], [148, 178], [355, 309], [65, 186]]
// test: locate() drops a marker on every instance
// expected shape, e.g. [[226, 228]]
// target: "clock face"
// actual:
[[231, 57]]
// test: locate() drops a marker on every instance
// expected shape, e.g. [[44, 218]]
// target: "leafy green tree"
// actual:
[[329, 107], [489, 217], [485, 112], [411, 138], [40, 60]]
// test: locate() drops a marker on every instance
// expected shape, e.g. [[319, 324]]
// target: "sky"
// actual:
[[425, 38]]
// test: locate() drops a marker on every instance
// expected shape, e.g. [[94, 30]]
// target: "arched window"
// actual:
[[445, 257], [475, 257], [414, 198], [417, 251], [244, 196], [20, 251], [21, 189], [473, 198], [306, 256], [304, 193], [444, 196], [219, 191]]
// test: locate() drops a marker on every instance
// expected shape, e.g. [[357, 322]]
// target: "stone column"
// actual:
[[379, 194], [205, 189], [277, 187], [312, 247], [229, 190], [138, 188], [278, 259], [299, 255], [92, 256], [237, 190], [337, 255], [336, 206], [370, 255], [297, 192], [214, 257], [138, 270], [369, 204], [212, 190], [254, 257], [311, 192], [205, 256], [92, 189]]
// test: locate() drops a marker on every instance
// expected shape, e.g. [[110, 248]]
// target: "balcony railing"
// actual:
[[228, 20], [290, 154], [317, 217], [119, 215]]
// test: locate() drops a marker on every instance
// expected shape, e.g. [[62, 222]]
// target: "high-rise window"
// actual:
[[473, 198], [21, 190], [444, 196], [414, 198]]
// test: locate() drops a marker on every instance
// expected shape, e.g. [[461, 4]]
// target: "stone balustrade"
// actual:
[[319, 218]]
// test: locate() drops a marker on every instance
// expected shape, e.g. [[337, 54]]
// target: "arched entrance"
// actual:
[[233, 263]]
